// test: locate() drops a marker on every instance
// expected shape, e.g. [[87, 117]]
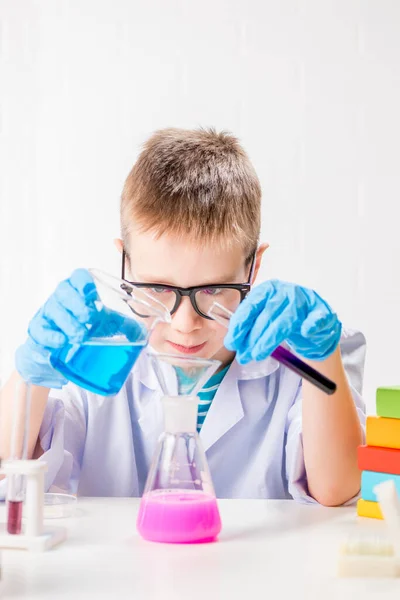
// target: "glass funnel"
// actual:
[[122, 321], [178, 503]]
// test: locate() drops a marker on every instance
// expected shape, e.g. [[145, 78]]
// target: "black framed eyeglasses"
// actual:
[[201, 297]]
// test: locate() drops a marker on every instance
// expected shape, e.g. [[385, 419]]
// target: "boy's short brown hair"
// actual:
[[195, 183]]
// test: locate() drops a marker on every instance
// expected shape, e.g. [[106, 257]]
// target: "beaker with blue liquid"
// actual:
[[122, 320]]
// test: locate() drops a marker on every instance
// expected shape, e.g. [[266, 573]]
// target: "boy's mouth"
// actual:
[[187, 349]]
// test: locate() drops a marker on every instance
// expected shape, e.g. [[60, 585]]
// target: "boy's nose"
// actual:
[[186, 319]]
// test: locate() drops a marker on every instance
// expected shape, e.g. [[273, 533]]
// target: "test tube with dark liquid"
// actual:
[[18, 451], [222, 315], [14, 516]]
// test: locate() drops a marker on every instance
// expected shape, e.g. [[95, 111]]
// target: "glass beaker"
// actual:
[[123, 318], [179, 503]]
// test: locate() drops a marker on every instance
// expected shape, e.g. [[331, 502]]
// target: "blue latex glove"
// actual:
[[276, 311], [68, 317], [61, 320]]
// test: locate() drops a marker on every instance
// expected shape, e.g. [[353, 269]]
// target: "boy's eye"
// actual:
[[211, 291], [160, 290]]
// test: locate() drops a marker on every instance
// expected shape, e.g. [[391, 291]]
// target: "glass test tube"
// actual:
[[18, 451], [1, 458]]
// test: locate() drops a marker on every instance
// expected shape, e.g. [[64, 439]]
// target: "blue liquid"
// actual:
[[99, 368]]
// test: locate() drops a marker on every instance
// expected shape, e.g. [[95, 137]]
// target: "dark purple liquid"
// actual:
[[14, 518], [304, 370]]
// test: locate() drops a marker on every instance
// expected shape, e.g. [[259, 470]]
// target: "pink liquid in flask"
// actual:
[[179, 516]]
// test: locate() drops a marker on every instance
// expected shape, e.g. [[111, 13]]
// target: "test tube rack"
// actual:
[[35, 536]]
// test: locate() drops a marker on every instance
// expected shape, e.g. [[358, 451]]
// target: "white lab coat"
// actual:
[[103, 446]]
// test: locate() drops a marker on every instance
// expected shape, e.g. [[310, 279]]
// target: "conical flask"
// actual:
[[179, 503]]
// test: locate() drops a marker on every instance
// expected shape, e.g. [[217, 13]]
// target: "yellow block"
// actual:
[[383, 432], [365, 508]]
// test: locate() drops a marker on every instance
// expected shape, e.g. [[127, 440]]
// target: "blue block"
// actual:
[[369, 479]]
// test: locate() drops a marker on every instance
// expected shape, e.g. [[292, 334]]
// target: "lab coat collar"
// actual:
[[226, 409]]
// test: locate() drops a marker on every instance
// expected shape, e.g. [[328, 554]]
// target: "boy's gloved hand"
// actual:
[[276, 311], [61, 320]]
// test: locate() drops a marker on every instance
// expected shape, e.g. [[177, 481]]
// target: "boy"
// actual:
[[190, 216]]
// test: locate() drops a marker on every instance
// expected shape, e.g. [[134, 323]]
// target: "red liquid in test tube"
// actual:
[[18, 451], [14, 518]]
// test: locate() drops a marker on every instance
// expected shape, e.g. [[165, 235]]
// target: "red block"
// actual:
[[383, 460]]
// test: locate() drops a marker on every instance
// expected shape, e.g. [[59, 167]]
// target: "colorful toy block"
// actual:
[[383, 460], [369, 479], [383, 432], [388, 402], [366, 508], [379, 459]]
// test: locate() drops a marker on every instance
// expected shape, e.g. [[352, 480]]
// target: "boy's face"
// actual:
[[173, 261]]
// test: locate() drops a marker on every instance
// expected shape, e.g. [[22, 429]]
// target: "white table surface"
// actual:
[[267, 549]]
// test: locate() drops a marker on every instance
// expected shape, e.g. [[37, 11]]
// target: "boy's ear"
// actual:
[[259, 254], [119, 245]]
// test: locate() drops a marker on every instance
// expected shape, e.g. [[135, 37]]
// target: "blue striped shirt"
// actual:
[[206, 395]]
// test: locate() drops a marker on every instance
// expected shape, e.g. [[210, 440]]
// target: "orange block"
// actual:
[[383, 432], [383, 460]]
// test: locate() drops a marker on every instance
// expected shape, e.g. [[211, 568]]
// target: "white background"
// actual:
[[311, 87]]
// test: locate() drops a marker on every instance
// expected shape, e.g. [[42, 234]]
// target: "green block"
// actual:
[[388, 402]]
